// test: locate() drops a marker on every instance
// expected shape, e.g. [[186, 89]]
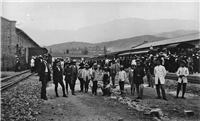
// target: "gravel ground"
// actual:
[[85, 107], [173, 108], [23, 103], [17, 103]]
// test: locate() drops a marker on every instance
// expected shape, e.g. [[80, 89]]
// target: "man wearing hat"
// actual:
[[121, 78], [113, 71], [95, 79], [160, 73], [58, 77], [86, 77], [68, 75], [138, 75], [44, 76], [74, 76], [80, 76], [182, 74], [17, 65]]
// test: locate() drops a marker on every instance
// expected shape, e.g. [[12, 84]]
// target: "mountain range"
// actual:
[[120, 44], [110, 31]]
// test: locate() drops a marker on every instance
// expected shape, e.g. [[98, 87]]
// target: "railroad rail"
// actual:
[[14, 80], [10, 77], [191, 79]]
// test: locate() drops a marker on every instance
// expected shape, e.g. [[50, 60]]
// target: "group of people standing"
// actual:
[[87, 72]]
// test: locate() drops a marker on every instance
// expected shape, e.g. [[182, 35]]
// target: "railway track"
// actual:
[[191, 79], [5, 84]]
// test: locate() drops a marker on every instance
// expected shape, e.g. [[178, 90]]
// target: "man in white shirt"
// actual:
[[32, 64], [160, 73], [182, 74]]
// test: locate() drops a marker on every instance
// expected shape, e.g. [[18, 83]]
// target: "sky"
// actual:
[[67, 15]]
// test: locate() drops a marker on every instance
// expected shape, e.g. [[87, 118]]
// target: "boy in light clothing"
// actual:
[[121, 78], [182, 74]]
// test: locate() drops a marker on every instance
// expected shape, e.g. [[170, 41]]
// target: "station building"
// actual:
[[15, 43]]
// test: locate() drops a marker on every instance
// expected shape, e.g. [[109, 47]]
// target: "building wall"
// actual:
[[13, 45]]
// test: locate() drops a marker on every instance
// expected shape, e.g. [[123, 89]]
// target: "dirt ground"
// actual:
[[85, 107]]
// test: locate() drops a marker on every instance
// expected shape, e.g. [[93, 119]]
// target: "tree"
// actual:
[[67, 51], [50, 51], [85, 51], [105, 50]]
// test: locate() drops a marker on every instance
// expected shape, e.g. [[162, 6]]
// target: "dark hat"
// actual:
[[40, 56], [106, 68], [67, 62], [183, 61], [121, 67], [45, 55], [73, 61], [138, 60], [86, 65], [56, 61], [81, 65], [94, 65]]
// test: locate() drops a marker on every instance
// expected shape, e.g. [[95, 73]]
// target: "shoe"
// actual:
[[176, 97], [73, 94], [183, 97], [57, 95], [158, 97], [165, 99], [45, 99], [138, 98], [65, 96]]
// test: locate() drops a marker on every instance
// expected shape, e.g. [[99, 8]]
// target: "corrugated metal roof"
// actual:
[[180, 39], [140, 52]]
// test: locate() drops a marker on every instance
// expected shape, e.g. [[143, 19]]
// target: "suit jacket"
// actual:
[[74, 72], [57, 75], [42, 72], [138, 75]]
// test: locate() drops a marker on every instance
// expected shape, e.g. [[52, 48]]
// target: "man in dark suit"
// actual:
[[44, 76], [58, 78], [17, 65], [67, 73], [74, 76]]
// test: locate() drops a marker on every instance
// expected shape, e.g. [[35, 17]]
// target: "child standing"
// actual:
[[182, 74], [122, 77]]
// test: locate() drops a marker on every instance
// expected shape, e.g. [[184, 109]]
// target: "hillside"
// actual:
[[176, 33], [116, 45], [69, 45], [128, 43]]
